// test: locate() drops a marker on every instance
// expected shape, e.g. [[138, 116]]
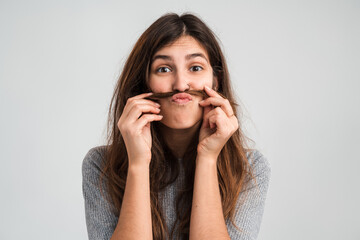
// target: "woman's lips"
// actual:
[[181, 98]]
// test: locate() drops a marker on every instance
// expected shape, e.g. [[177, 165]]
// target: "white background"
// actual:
[[295, 67]]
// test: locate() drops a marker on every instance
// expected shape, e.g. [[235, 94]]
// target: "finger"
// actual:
[[223, 103], [215, 112], [211, 112], [142, 101], [131, 102], [223, 125], [139, 109], [206, 111], [146, 119], [213, 121], [211, 92], [143, 95]]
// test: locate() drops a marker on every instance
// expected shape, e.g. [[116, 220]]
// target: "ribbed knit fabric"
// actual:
[[101, 221]]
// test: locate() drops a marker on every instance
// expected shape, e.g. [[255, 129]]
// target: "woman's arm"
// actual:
[[207, 218], [135, 215], [134, 221], [219, 123], [134, 125]]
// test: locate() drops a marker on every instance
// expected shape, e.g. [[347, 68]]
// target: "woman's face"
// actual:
[[183, 65]]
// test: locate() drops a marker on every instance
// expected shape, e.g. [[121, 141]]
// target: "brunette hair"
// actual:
[[233, 166]]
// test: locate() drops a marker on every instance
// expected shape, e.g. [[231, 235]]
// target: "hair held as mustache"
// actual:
[[200, 93]]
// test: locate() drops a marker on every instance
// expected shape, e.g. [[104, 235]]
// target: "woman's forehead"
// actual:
[[185, 45]]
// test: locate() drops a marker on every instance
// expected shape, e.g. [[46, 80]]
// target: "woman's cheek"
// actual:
[[159, 86], [204, 80]]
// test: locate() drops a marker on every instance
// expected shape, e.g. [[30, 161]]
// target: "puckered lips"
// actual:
[[181, 98]]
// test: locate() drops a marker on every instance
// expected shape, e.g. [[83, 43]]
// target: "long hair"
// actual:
[[232, 166]]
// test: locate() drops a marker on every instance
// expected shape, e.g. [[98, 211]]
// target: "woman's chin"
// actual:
[[181, 118], [180, 124]]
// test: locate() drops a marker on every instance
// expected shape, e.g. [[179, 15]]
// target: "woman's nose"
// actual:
[[181, 82]]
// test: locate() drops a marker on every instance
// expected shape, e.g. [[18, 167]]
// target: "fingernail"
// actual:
[[157, 104], [207, 87], [201, 101]]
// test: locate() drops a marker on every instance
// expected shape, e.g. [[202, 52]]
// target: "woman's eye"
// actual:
[[196, 68], [163, 69]]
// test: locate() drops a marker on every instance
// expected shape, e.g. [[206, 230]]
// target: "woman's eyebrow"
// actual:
[[187, 57], [165, 57], [194, 55]]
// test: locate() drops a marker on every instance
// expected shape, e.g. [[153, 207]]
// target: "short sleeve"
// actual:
[[100, 219], [251, 201]]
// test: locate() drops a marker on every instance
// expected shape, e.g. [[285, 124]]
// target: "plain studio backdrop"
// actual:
[[295, 69]]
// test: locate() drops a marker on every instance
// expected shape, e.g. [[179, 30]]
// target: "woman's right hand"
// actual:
[[135, 130]]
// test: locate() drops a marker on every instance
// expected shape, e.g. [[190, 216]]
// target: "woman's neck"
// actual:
[[178, 139]]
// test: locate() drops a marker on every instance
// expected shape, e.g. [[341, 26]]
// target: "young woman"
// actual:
[[176, 165]]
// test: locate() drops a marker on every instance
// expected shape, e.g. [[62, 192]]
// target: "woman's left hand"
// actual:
[[218, 125]]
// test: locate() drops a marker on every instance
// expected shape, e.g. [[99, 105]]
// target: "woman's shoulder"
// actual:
[[259, 164], [94, 160]]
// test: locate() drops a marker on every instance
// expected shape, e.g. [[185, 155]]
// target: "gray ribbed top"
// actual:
[[101, 221]]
